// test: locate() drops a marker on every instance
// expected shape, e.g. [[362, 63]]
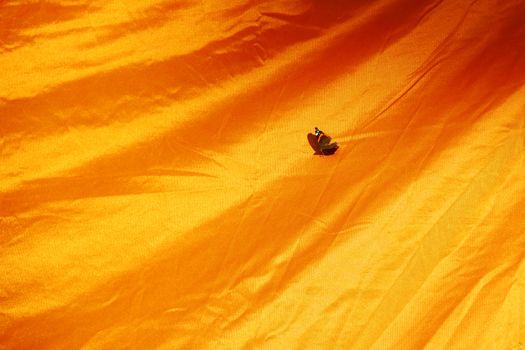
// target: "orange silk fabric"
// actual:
[[158, 191]]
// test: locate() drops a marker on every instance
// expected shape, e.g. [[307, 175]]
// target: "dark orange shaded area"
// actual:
[[166, 197], [16, 17]]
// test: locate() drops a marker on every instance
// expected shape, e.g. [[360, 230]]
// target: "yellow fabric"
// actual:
[[158, 191]]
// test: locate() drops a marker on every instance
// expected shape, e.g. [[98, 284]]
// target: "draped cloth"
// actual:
[[157, 189]]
